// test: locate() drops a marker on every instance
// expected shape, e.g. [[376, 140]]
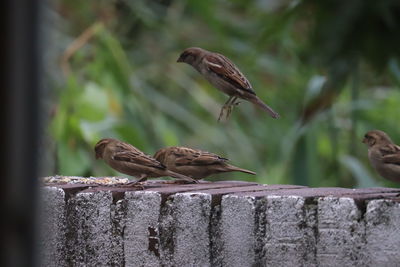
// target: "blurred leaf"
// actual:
[[58, 124], [359, 172], [72, 160], [395, 69], [93, 103], [314, 87], [131, 135]]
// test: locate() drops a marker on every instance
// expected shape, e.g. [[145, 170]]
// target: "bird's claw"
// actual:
[[134, 184], [186, 181], [228, 109], [221, 114]]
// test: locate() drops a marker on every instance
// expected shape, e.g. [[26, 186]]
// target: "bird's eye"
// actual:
[[185, 55]]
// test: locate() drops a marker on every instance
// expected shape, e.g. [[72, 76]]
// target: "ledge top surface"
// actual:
[[116, 185]]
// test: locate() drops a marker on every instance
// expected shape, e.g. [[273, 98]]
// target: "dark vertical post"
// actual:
[[20, 129]]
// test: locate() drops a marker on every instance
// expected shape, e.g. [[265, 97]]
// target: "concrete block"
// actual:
[[238, 247], [383, 233], [118, 215], [142, 233], [290, 232], [185, 222], [340, 233], [218, 224], [90, 237], [52, 223]]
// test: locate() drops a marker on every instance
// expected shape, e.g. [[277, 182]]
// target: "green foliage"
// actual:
[[123, 81], [357, 28]]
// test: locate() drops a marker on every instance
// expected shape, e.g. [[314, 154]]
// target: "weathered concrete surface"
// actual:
[[340, 233], [53, 227], [238, 246], [219, 224], [290, 236], [91, 239], [187, 219], [141, 235], [383, 233]]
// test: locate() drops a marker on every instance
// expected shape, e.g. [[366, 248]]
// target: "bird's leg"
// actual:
[[193, 181], [142, 178], [230, 106], [226, 105], [236, 103], [186, 181]]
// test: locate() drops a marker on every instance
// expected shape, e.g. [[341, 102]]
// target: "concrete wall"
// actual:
[[219, 224]]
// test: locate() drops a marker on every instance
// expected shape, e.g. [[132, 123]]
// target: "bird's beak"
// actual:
[[180, 59], [364, 140]]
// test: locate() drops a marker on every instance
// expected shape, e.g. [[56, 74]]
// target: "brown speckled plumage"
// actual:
[[383, 154], [195, 163], [224, 75], [129, 160]]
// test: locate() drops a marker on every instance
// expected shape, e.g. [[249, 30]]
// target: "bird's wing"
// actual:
[[161, 154], [137, 157], [193, 157], [225, 69], [391, 154]]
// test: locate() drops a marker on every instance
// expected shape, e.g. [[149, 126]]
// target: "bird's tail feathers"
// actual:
[[181, 176], [234, 168], [255, 100]]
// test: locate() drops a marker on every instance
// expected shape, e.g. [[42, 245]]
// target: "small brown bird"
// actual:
[[194, 163], [383, 154], [224, 75], [127, 159]]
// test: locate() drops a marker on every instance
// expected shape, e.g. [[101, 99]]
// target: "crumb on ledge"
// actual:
[[58, 179], [106, 181]]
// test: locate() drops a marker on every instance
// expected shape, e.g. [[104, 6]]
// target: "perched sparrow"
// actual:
[[383, 154], [225, 76], [194, 163], [127, 159]]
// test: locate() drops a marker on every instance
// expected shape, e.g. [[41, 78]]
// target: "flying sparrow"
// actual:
[[383, 154], [194, 163], [224, 75], [127, 159]]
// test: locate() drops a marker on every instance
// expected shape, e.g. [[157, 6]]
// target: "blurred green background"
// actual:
[[330, 69]]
